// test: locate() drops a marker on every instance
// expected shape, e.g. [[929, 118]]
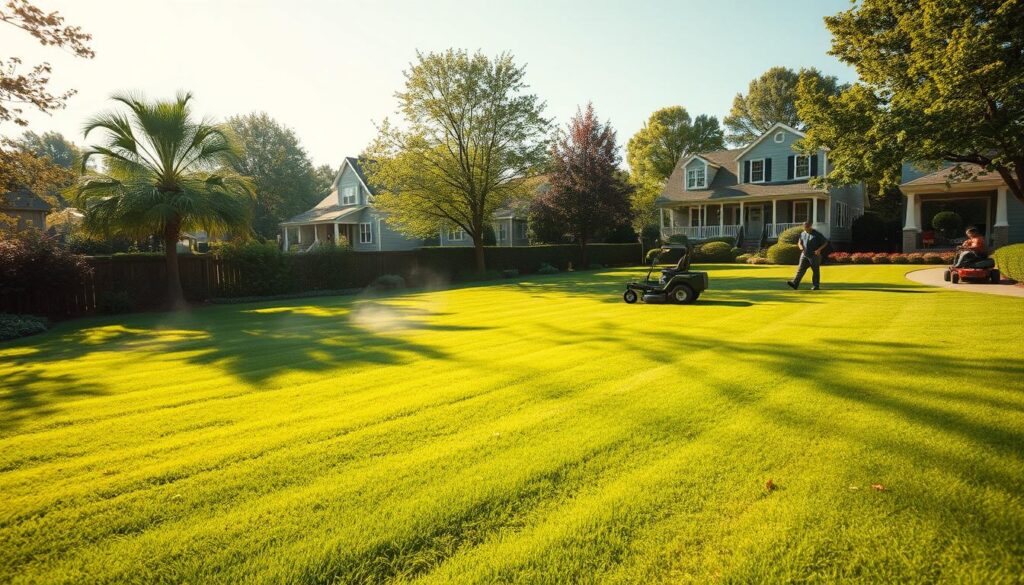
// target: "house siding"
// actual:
[[385, 237], [1015, 215], [347, 179], [779, 153]]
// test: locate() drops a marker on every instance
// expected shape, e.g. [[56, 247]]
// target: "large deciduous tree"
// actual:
[[164, 172], [472, 135], [771, 98], [941, 81], [669, 134], [652, 153], [30, 87], [283, 176], [588, 193], [51, 145]]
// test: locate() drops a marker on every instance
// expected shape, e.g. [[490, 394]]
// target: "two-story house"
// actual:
[[755, 193], [348, 213]]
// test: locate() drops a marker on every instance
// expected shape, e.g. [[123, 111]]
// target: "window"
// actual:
[[520, 230], [801, 211], [348, 195], [757, 171], [365, 233], [801, 167], [695, 178], [779, 137], [456, 234], [842, 215], [502, 232]]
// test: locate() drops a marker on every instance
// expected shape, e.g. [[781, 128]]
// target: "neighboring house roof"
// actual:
[[725, 184], [24, 200], [950, 177], [331, 213]]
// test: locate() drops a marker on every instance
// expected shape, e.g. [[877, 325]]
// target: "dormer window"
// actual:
[[757, 171], [348, 195], [801, 167], [695, 179]]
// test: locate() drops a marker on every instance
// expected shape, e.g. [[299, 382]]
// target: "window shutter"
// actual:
[[767, 170], [791, 163], [746, 171], [814, 165]]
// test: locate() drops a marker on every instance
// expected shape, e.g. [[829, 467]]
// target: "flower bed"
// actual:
[[891, 258]]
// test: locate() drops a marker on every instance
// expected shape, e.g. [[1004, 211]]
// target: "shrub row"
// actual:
[[1010, 260], [15, 326], [891, 258]]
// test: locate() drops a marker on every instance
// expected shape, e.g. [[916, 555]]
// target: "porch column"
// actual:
[[911, 221], [999, 235], [700, 216], [661, 218], [775, 220], [316, 234], [298, 230], [285, 238], [742, 222], [336, 240], [721, 219], [1001, 215], [814, 210]]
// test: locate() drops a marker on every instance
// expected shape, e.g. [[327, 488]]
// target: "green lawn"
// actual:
[[539, 431]]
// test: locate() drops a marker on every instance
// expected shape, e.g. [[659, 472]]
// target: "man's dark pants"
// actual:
[[814, 263]]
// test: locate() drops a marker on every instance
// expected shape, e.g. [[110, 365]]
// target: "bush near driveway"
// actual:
[[783, 253], [715, 252], [1010, 261], [791, 235]]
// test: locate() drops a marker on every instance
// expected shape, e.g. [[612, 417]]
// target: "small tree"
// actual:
[[588, 192], [165, 172], [668, 135], [949, 223], [473, 136]]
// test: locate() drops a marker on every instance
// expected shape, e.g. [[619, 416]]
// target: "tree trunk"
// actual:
[[478, 251], [175, 298]]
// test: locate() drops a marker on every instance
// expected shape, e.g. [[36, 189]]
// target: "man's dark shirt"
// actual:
[[812, 241]]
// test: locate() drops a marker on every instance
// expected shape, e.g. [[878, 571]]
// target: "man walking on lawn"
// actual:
[[812, 243]]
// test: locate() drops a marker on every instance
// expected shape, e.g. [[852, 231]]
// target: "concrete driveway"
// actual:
[[933, 277]]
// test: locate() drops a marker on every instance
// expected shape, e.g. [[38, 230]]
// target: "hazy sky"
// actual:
[[330, 69]]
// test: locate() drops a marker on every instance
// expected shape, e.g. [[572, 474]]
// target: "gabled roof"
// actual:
[[775, 126], [949, 178], [24, 200], [353, 163], [725, 184], [706, 161], [329, 214]]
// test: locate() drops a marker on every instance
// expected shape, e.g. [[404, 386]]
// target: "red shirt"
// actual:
[[975, 244]]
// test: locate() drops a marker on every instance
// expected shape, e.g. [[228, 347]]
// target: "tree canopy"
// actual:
[[771, 98], [472, 134], [164, 172], [51, 145], [283, 177], [668, 135], [30, 87], [940, 81], [588, 193]]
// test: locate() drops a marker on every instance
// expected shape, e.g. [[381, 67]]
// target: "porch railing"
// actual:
[[700, 232]]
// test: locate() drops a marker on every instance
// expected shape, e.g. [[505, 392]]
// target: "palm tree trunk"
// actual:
[[175, 298]]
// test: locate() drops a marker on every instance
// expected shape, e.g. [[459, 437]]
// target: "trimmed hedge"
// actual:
[[791, 235], [1010, 261], [15, 326], [783, 253], [714, 252]]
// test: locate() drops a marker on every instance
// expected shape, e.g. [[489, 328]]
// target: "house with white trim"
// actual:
[[347, 213], [979, 197], [756, 192]]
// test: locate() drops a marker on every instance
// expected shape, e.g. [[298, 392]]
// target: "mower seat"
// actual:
[[982, 263]]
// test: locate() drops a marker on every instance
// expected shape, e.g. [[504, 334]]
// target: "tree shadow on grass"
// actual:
[[249, 344]]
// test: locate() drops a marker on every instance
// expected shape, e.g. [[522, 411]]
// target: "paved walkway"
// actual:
[[933, 277]]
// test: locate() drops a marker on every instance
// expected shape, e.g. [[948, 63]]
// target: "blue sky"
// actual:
[[330, 69]]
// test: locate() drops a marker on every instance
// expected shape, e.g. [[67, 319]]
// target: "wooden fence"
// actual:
[[141, 279]]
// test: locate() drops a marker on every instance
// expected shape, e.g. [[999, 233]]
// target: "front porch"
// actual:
[[302, 237], [980, 204], [750, 221]]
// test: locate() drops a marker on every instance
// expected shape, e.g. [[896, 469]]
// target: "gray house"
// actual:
[[347, 214], [755, 193], [28, 208], [980, 198]]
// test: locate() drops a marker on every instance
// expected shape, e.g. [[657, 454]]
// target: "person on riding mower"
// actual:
[[972, 249], [811, 244]]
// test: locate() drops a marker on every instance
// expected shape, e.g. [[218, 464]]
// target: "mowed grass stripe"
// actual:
[[571, 437]]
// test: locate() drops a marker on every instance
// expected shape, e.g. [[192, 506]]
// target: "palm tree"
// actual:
[[163, 172]]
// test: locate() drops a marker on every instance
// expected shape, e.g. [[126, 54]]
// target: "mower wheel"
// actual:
[[630, 296], [945, 275], [682, 294], [955, 277], [994, 276]]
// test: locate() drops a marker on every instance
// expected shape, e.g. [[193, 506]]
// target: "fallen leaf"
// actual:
[[854, 488], [878, 487], [769, 485]]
